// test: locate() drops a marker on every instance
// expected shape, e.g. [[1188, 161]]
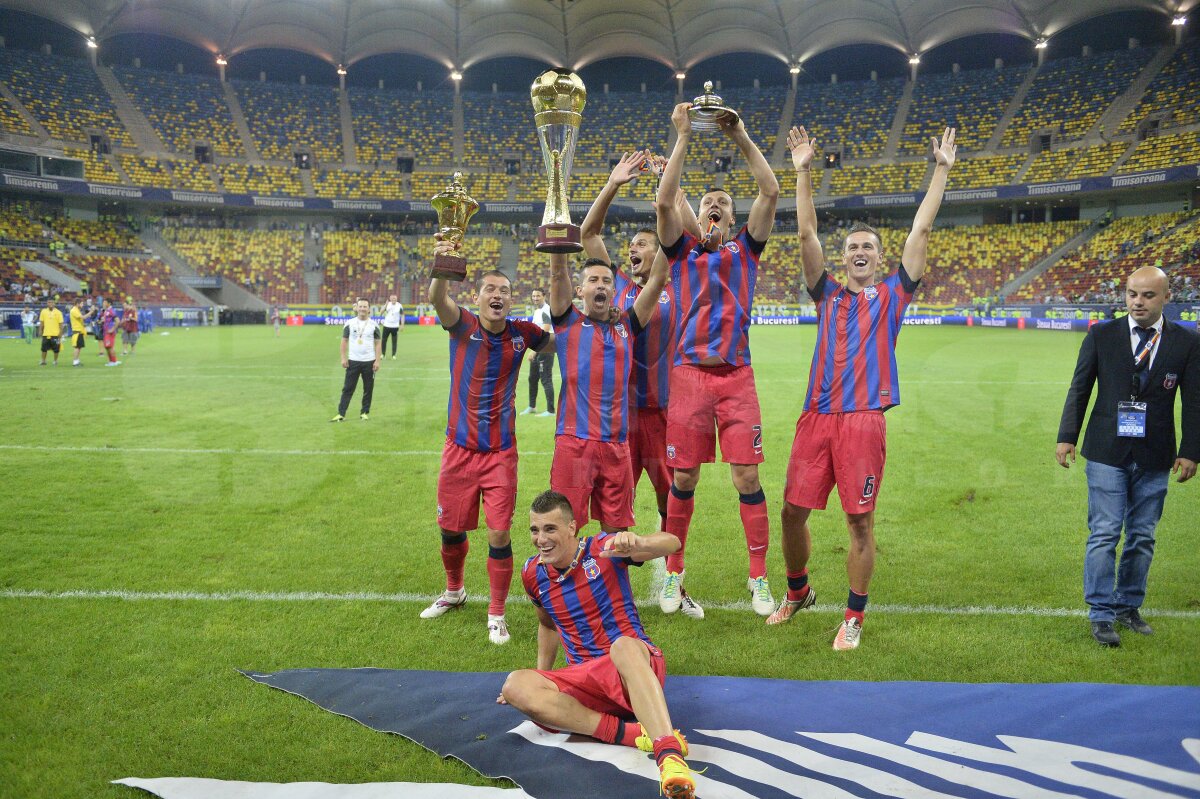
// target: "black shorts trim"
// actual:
[[50, 344], [78, 340]]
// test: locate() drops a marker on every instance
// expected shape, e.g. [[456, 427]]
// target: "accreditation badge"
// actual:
[[1131, 419]]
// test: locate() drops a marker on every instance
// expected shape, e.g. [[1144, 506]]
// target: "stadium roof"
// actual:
[[574, 33]]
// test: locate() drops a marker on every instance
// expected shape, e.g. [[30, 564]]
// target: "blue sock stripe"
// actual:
[[857, 602], [500, 553], [451, 540], [757, 498], [796, 583], [679, 493]]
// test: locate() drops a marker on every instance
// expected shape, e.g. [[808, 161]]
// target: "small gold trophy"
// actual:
[[558, 97], [454, 209], [707, 109]]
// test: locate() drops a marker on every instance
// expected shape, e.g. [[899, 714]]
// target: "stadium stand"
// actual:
[[193, 176], [284, 119], [1098, 160], [265, 180], [96, 168], [1081, 273], [17, 228], [1171, 249], [146, 280], [386, 122], [266, 262], [342, 184], [1070, 94], [619, 122], [146, 171], [1174, 93], [760, 110], [63, 94], [973, 173], [1051, 165], [875, 179], [183, 109], [1158, 152], [480, 186], [861, 126], [11, 120], [370, 264], [495, 125], [97, 234], [11, 272], [971, 101]]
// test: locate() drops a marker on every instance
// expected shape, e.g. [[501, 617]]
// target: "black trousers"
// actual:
[[353, 371], [541, 369], [394, 333]]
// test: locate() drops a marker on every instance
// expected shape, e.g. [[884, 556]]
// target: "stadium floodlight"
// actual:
[[794, 69], [91, 43], [455, 75], [1179, 21], [1040, 44], [341, 70], [221, 60], [680, 75], [914, 59]]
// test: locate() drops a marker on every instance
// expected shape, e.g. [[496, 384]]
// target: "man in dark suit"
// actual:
[[1140, 362]]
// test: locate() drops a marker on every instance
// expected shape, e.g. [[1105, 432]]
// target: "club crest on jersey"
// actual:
[[518, 344], [870, 292], [664, 298], [671, 451], [620, 328], [733, 247], [1170, 380], [591, 569]]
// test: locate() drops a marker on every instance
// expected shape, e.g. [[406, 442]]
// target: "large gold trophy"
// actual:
[[454, 209], [708, 108], [558, 97]]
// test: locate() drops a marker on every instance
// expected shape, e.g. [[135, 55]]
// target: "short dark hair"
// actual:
[[863, 227], [648, 230], [732, 202], [488, 272], [552, 500], [597, 262]]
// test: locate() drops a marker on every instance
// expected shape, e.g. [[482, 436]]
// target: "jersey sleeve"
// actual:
[[635, 327], [566, 320], [818, 291], [534, 336], [346, 330], [907, 282], [754, 244], [466, 324], [529, 580], [686, 242]]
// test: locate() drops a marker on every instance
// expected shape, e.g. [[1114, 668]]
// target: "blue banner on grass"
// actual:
[[774, 738]]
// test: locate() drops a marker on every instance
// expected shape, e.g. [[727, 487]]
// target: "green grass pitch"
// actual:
[[206, 465]]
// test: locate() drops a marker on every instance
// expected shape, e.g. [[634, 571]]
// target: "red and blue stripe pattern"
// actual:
[[594, 363], [481, 412], [713, 295], [653, 348], [592, 606], [854, 361]]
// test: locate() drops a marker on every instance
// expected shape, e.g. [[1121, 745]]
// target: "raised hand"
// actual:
[[681, 120], [803, 149], [731, 125], [944, 153], [629, 167]]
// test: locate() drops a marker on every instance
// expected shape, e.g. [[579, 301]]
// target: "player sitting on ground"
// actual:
[[612, 685], [595, 357], [841, 434], [712, 382], [479, 459]]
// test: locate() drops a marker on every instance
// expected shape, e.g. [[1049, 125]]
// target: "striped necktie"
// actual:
[[1141, 358]]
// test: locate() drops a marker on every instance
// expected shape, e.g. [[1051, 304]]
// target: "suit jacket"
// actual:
[[1106, 356]]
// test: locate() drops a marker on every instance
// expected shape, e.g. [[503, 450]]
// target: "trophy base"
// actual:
[[704, 120], [559, 238], [449, 267]]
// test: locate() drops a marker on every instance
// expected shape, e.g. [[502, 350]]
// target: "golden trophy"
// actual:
[[707, 109], [454, 209], [558, 97]]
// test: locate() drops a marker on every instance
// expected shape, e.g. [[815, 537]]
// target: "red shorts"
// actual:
[[597, 685], [648, 446], [711, 402], [110, 340], [467, 474], [843, 449], [595, 474]]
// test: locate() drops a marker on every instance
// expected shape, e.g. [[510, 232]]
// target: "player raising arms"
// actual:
[[595, 357], [712, 382], [612, 685], [653, 349], [479, 459], [841, 434]]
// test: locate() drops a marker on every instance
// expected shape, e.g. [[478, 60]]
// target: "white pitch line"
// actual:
[[267, 452], [367, 596]]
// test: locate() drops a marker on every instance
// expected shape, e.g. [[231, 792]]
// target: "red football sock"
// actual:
[[606, 730], [500, 572], [666, 745], [454, 556], [797, 585], [679, 518], [758, 535]]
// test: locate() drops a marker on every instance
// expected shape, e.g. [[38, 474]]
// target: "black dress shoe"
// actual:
[[1104, 633], [1134, 621]]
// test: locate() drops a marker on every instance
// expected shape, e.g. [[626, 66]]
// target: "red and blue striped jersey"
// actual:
[[591, 606], [653, 348], [594, 363], [481, 413], [713, 294], [854, 361]]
